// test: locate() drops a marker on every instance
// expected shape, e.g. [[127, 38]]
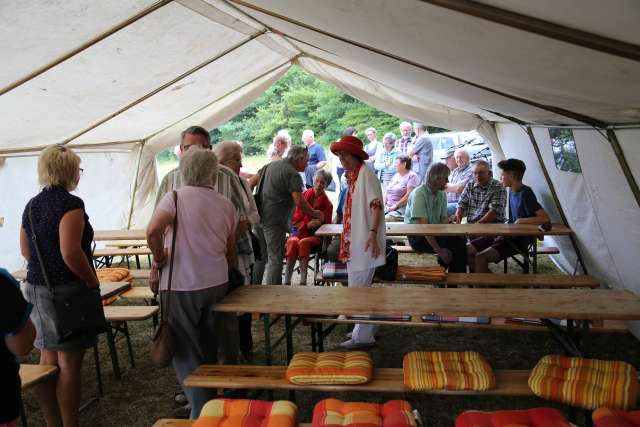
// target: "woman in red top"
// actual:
[[301, 239]]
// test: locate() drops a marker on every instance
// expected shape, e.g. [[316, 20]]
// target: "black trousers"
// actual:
[[457, 246]]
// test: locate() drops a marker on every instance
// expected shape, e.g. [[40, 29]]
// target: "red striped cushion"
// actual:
[[537, 417], [335, 413], [605, 417]]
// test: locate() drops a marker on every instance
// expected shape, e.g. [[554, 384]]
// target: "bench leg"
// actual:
[[288, 330], [138, 262], [267, 338], [125, 331], [312, 328], [320, 337], [111, 342]]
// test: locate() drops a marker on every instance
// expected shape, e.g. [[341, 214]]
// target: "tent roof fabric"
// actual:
[[137, 68]]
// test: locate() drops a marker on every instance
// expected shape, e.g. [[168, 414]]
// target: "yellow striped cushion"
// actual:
[[355, 367], [585, 383], [449, 370], [247, 413]]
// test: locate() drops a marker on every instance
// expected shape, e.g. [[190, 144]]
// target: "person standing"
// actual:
[[204, 253], [363, 236], [460, 177], [421, 152], [386, 159], [317, 158], [279, 191], [193, 135], [279, 147], [64, 237], [18, 333], [372, 147], [403, 144]]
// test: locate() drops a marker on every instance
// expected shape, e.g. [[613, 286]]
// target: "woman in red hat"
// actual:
[[363, 236]]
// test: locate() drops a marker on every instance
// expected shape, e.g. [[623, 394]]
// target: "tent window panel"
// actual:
[[564, 149]]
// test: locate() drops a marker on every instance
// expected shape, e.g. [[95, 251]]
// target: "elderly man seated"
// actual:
[[523, 209], [428, 205], [460, 177], [483, 200]]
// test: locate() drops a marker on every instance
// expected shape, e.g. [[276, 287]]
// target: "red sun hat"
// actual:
[[351, 145]]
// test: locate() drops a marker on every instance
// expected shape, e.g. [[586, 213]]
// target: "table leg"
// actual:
[[312, 328], [563, 338], [320, 342], [111, 342], [96, 359], [267, 338], [125, 331], [535, 257], [584, 338], [288, 330]]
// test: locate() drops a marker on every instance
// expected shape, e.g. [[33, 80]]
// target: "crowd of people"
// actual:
[[225, 222]]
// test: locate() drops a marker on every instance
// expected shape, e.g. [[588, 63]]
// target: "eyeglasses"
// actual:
[[81, 171]]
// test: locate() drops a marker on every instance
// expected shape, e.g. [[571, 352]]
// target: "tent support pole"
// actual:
[[617, 150], [135, 185], [157, 5], [554, 194]]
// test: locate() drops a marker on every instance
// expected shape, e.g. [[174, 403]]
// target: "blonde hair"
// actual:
[[225, 149], [58, 166]]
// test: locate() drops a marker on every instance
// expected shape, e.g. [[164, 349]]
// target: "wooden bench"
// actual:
[[127, 243], [188, 423], [385, 380], [139, 292], [31, 375], [404, 249], [118, 316], [104, 256]]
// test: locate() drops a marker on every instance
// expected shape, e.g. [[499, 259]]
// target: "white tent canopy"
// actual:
[[120, 79]]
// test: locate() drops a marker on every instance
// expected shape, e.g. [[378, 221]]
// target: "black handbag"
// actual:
[[389, 270], [78, 309]]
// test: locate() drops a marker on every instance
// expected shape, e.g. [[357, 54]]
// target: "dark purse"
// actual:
[[389, 270], [78, 309]]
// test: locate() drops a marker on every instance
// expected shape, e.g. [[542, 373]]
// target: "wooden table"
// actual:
[[571, 304], [464, 230], [111, 289], [101, 235], [103, 257]]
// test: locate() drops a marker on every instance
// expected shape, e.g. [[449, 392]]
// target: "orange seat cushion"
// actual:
[[537, 417], [605, 417], [335, 413], [448, 370], [353, 367], [247, 413], [585, 383]]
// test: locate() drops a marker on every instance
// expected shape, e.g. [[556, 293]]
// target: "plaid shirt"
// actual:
[[402, 145], [459, 176], [476, 201]]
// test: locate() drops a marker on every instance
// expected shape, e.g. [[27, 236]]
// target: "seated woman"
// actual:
[[301, 240], [399, 189], [428, 205]]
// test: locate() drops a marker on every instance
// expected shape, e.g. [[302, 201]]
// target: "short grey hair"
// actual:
[[199, 167], [420, 125], [464, 151], [436, 171], [370, 130], [326, 176], [226, 149], [389, 135], [404, 124], [308, 132], [482, 163], [297, 151]]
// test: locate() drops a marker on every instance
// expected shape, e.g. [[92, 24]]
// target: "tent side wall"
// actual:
[[105, 187]]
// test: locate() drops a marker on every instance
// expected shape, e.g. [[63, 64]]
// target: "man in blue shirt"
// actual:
[[317, 158], [523, 209]]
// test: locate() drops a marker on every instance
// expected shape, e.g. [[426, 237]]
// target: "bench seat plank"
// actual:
[[124, 313], [522, 280], [509, 383], [138, 292], [31, 375], [112, 252]]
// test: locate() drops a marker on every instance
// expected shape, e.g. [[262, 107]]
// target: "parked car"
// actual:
[[472, 141]]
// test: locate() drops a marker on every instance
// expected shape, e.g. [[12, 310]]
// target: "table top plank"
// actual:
[[137, 234], [31, 375], [111, 289], [508, 383], [577, 304], [522, 280], [101, 252], [400, 229], [123, 313]]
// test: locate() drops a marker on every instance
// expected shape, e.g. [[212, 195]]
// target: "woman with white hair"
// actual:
[[206, 225]]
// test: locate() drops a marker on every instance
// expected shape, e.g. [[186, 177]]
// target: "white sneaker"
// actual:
[[354, 345]]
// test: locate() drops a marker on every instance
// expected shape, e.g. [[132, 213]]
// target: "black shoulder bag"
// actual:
[[78, 309]]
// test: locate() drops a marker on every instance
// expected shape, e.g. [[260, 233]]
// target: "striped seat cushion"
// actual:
[[449, 370], [585, 383], [335, 413], [605, 417], [247, 413], [354, 367], [114, 275], [537, 417], [433, 274]]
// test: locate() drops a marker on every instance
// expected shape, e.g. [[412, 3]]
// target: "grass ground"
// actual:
[[145, 392]]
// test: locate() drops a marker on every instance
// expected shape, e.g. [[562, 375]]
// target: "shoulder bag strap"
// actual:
[[34, 240], [173, 252], [261, 180]]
